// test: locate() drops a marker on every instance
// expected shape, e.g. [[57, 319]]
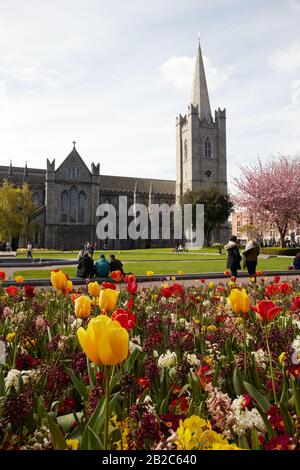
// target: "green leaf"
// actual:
[[95, 443], [296, 396], [258, 397], [78, 384], [254, 373], [130, 361], [243, 443], [2, 384], [59, 442], [238, 382], [289, 427], [96, 422], [254, 439]]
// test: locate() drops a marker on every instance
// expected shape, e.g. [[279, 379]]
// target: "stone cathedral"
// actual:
[[67, 197]]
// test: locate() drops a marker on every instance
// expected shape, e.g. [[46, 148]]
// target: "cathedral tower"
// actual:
[[200, 140]]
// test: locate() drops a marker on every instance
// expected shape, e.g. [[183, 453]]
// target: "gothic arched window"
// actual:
[[64, 206], [81, 207], [36, 199], [208, 148], [73, 204], [185, 150]]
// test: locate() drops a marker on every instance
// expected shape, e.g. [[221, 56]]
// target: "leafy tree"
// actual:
[[217, 207], [16, 211]]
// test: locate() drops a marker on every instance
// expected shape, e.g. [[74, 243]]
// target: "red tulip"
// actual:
[[117, 276], [2, 276], [266, 311], [109, 285], [276, 278], [177, 290], [11, 291], [29, 291], [132, 287], [285, 288], [130, 278], [166, 292], [126, 319]]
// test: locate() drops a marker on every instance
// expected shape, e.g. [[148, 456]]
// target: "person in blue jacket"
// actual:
[[102, 267]]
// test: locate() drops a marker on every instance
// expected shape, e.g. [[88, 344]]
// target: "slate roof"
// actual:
[[107, 182], [128, 183]]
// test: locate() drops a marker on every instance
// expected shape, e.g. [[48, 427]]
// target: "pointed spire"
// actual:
[[200, 95], [25, 174], [10, 170]]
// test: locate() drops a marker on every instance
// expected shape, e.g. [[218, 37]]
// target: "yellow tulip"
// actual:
[[94, 289], [149, 273], [211, 285], [104, 341], [82, 306], [70, 286], [10, 337], [59, 280], [108, 299], [19, 279], [239, 301]]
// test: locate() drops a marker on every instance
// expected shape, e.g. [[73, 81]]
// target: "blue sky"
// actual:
[[114, 75]]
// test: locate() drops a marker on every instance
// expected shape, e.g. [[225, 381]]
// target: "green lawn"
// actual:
[[152, 253], [196, 266]]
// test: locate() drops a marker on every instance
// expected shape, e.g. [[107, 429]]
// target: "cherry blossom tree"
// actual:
[[269, 192]]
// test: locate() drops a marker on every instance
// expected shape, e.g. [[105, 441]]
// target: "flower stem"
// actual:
[[271, 367], [107, 389], [245, 347]]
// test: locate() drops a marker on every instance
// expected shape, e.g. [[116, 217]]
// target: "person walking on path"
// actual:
[[29, 250], [251, 253], [102, 267], [234, 257]]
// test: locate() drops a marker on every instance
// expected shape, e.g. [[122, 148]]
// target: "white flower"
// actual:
[[12, 378], [133, 346], [155, 353], [76, 324], [296, 346], [246, 419], [193, 360], [261, 358], [167, 360], [206, 303]]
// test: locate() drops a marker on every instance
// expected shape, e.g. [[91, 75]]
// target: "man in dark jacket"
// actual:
[[85, 268], [115, 264], [296, 262]]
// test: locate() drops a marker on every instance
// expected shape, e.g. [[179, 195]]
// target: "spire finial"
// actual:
[[74, 143], [198, 35]]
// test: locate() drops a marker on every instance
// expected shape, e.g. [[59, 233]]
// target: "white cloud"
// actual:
[[287, 60], [179, 71]]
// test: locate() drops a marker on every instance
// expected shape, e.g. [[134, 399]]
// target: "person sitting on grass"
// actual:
[[115, 264], [102, 267], [85, 268], [296, 262]]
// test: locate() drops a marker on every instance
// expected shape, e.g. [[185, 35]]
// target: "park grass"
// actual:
[[149, 254], [161, 267]]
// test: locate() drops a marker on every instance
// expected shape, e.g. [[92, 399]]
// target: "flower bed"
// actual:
[[213, 366]]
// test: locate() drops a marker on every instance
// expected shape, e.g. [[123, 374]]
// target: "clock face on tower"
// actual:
[[208, 173]]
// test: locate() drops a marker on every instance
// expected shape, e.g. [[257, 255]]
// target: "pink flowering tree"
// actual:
[[269, 192]]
